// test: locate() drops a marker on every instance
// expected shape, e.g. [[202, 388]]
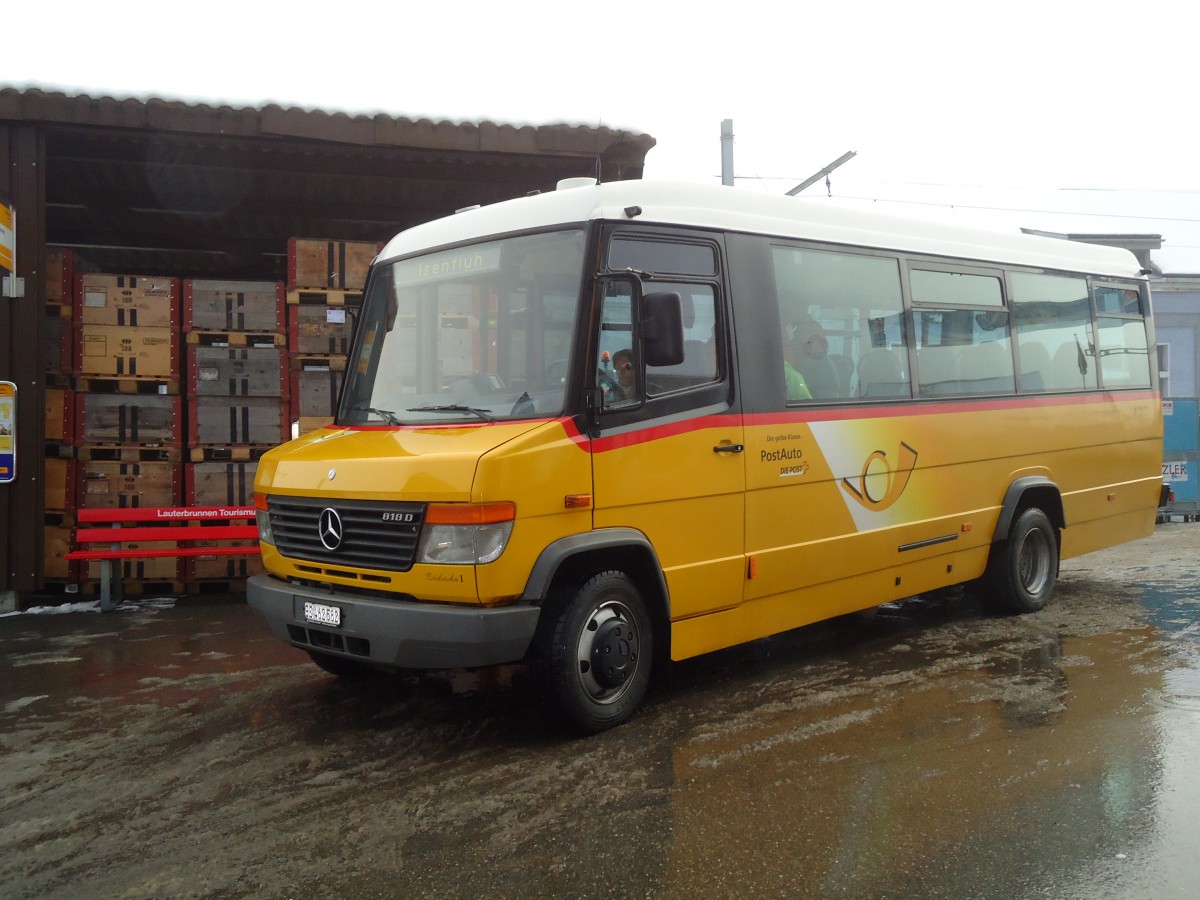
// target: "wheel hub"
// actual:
[[614, 653]]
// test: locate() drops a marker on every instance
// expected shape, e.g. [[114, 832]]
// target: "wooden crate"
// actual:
[[121, 485], [136, 301], [129, 419], [63, 266], [60, 415], [321, 329], [233, 306], [56, 545], [315, 263], [126, 352], [237, 372], [227, 483], [226, 421], [316, 385], [58, 340], [60, 275], [59, 482]]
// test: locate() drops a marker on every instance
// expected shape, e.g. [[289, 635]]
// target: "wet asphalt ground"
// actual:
[[172, 748]]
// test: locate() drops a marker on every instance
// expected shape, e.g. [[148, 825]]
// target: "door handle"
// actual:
[[729, 448]]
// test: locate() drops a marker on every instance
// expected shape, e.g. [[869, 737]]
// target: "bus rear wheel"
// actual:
[[595, 651], [1023, 571]]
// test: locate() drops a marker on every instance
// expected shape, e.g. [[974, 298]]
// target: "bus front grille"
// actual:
[[349, 533]]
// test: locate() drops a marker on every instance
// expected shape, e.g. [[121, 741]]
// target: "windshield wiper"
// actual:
[[455, 407], [385, 414]]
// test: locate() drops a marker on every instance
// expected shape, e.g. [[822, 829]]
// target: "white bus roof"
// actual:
[[730, 209]]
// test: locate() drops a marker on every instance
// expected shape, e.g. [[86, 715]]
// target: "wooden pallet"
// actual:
[[317, 362], [90, 384], [126, 453], [236, 339], [325, 296], [239, 453]]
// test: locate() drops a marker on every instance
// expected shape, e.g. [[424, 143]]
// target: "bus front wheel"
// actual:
[[1023, 571], [595, 651]]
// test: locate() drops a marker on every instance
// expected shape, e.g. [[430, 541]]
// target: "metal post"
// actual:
[[727, 152], [106, 566]]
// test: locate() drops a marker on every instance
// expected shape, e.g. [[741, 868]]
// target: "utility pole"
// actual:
[[727, 152]]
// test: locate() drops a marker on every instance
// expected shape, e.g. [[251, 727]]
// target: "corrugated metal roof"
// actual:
[[167, 187]]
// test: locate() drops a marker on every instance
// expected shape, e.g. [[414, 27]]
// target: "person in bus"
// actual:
[[797, 387], [623, 365], [808, 356]]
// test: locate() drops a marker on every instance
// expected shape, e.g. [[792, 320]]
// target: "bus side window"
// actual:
[[1052, 324], [616, 367], [1121, 346], [700, 364], [962, 334], [841, 326]]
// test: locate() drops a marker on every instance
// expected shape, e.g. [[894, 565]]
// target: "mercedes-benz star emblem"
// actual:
[[329, 528]]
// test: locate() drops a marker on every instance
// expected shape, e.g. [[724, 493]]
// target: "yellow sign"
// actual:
[[8, 237], [8, 432]]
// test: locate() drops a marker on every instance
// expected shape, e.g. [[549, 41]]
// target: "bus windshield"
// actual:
[[479, 332]]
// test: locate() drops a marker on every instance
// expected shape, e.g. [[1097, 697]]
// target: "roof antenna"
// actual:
[[597, 168]]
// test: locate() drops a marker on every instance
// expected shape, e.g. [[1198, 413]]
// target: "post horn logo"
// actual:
[[879, 485]]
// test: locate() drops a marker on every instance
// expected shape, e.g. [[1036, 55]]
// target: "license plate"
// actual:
[[322, 614]]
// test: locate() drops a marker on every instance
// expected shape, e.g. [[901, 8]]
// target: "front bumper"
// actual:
[[404, 634]]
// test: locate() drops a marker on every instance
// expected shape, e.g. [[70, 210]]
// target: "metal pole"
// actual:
[[727, 152]]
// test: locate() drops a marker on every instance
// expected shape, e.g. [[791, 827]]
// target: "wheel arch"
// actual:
[[1027, 491], [572, 560]]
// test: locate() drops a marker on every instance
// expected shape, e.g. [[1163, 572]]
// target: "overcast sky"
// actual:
[[1027, 113]]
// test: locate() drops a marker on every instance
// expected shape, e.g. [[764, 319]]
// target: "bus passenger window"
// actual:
[[1052, 323], [963, 341], [1124, 356], [1121, 346], [843, 335], [963, 352]]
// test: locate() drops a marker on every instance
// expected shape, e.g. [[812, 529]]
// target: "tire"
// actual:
[[1023, 570], [346, 669], [594, 651]]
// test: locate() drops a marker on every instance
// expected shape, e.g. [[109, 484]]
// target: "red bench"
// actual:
[[174, 524]]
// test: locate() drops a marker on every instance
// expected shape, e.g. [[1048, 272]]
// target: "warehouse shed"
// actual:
[[181, 190]]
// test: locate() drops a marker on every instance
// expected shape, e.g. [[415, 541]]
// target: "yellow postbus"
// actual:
[[612, 425]]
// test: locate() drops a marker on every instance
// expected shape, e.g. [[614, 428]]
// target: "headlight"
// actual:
[[263, 519], [467, 535]]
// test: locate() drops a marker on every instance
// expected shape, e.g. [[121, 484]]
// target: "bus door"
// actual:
[[669, 461]]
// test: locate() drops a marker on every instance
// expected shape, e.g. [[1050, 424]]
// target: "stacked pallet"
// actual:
[[128, 407], [167, 393], [237, 395], [324, 297], [62, 268]]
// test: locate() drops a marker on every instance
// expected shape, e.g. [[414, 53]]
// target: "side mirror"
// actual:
[[662, 329]]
